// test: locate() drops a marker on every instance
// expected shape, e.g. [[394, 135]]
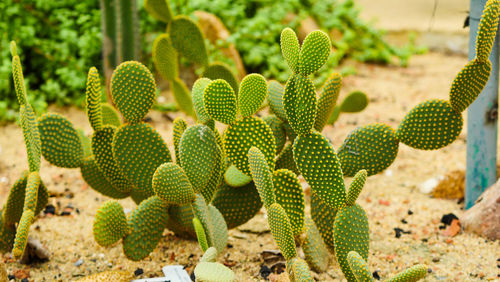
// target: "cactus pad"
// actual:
[[314, 52], [220, 101], [188, 40], [180, 220], [315, 250], [220, 70], [200, 211], [165, 57], [372, 147], [13, 208], [323, 216], [262, 176], [23, 229], [31, 136], [469, 83], [327, 100], [171, 185], [253, 91], [235, 178], [357, 184], [355, 102], [210, 255], [93, 99], [109, 115], [279, 133], [134, 90], [198, 103], [431, 125], [219, 229], [285, 159], [290, 48], [110, 224], [182, 96], [300, 103], [180, 126], [275, 97], [18, 77], [97, 181], [61, 144], [281, 230], [213, 272], [31, 193], [411, 274], [300, 271], [111, 275], [290, 196], [200, 234], [487, 30], [359, 268], [316, 160], [159, 9], [7, 236]]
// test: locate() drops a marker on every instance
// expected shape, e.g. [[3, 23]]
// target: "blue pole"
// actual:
[[482, 120]]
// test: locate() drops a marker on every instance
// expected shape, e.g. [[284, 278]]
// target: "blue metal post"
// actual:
[[482, 121]]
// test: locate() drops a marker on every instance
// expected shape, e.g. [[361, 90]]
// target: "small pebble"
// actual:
[[79, 262], [138, 272], [404, 221], [50, 209], [264, 271], [376, 275], [400, 231], [11, 277], [410, 212], [25, 280], [435, 259], [448, 218]]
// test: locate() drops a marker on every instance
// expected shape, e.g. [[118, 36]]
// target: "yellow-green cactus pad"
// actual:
[[219, 228], [220, 70], [23, 229], [275, 97], [281, 230], [93, 99], [165, 57], [237, 205], [318, 163], [171, 184], [411, 274], [13, 208], [180, 221], [61, 145], [235, 178], [290, 196], [253, 91], [110, 224], [285, 159], [97, 181], [487, 30], [86, 143], [146, 224], [138, 150], [159, 9], [111, 275], [334, 115], [188, 39], [357, 184], [220, 101], [17, 75], [244, 134], [133, 90], [327, 100], [300, 271], [323, 215], [279, 133], [31, 136], [31, 194], [200, 234], [102, 147], [262, 176], [213, 272], [300, 103], [200, 211], [469, 83], [372, 147], [314, 52], [7, 236], [315, 250], [109, 115], [359, 267], [199, 105], [182, 96], [431, 125], [350, 234], [290, 48], [210, 255], [355, 102], [180, 126]]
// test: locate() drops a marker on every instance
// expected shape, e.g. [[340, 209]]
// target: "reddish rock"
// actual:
[[484, 217]]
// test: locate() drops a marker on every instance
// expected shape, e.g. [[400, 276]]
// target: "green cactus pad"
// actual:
[[262, 176], [182, 96], [291, 135], [138, 150], [237, 205], [7, 236], [279, 133], [327, 100], [300, 271], [180, 221], [110, 275], [350, 234], [200, 211], [290, 196], [171, 184], [165, 57], [334, 115], [285, 159], [213, 272], [359, 267], [220, 101], [18, 77], [411, 274], [318, 163], [31, 191], [159, 9], [109, 115], [23, 229], [134, 90], [357, 184], [355, 102], [31, 136], [244, 134], [97, 181], [253, 91], [219, 229], [110, 224], [86, 143], [275, 93], [235, 178], [219, 70], [13, 208], [300, 103], [314, 52], [61, 145], [372, 147], [199, 105], [468, 84], [93, 99], [487, 30], [146, 224], [210, 255], [200, 234], [180, 126], [323, 215], [200, 157], [139, 195], [281, 230], [188, 40], [431, 125], [290, 48], [102, 144], [315, 250]]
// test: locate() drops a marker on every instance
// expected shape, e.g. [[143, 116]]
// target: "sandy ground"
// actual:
[[387, 197]]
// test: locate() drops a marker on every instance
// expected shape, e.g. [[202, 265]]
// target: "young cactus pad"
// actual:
[[110, 224]]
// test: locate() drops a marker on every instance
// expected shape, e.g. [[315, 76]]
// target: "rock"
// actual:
[[484, 217], [34, 252]]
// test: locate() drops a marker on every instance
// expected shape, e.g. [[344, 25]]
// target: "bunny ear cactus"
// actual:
[[218, 70]]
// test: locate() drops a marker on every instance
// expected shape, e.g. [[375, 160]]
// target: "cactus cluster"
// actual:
[[28, 195]]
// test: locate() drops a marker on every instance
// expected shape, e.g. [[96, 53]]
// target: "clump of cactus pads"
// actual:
[[211, 271]]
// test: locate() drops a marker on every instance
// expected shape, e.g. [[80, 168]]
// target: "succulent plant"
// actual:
[[208, 270]]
